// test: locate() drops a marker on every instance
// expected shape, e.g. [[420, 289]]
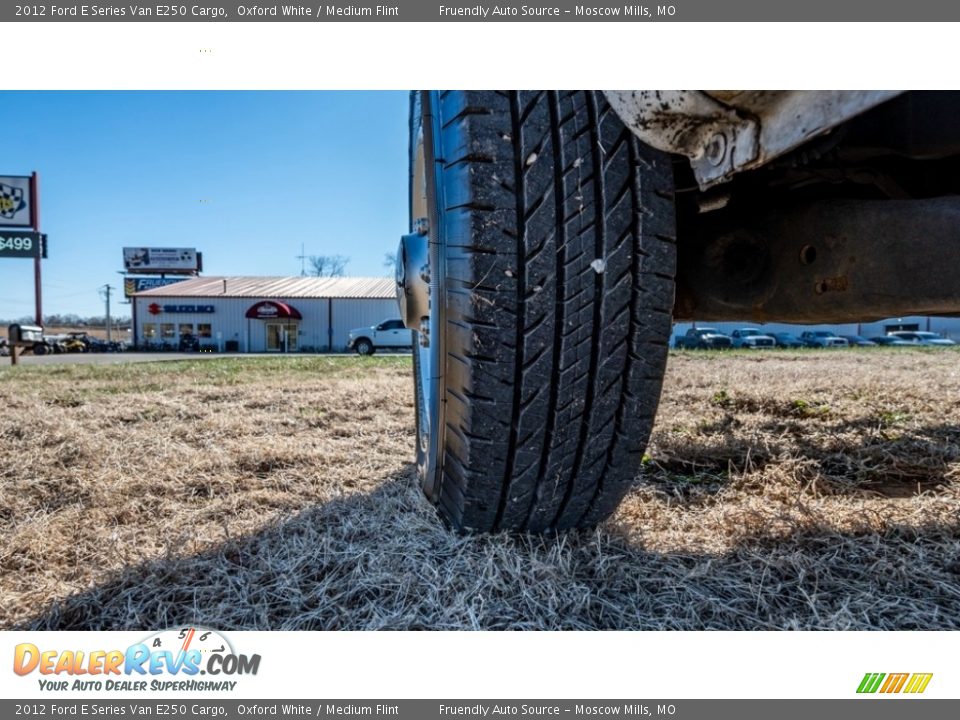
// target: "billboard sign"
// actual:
[[182, 261], [139, 284], [16, 201], [20, 244]]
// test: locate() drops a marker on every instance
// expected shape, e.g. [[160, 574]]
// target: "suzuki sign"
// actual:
[[156, 309]]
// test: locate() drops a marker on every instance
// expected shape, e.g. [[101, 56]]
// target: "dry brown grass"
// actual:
[[807, 490]]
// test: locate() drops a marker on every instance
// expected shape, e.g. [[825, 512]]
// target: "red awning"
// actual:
[[270, 309]]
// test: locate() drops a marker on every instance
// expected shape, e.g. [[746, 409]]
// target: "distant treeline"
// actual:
[[70, 321]]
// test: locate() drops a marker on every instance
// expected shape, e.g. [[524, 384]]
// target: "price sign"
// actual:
[[22, 244]]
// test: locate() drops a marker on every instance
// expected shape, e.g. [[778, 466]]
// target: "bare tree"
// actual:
[[390, 263], [328, 265]]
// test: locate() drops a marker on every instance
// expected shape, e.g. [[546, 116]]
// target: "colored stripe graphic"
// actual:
[[894, 683], [918, 682], [870, 682]]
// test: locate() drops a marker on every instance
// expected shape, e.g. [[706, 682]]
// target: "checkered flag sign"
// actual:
[[11, 201]]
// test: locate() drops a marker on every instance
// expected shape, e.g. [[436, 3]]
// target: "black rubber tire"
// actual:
[[553, 362], [40, 349], [364, 347]]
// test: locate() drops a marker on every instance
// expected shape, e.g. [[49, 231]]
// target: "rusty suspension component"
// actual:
[[829, 262]]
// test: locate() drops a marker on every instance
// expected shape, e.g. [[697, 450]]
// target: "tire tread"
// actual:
[[553, 369]]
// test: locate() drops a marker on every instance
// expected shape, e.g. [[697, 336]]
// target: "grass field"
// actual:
[[810, 490]]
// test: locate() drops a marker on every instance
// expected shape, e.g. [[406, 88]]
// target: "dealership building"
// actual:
[[262, 314]]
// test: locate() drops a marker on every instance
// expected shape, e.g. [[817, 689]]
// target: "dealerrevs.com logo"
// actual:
[[183, 653], [891, 683]]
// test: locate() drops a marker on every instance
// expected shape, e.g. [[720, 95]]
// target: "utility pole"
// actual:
[[105, 291], [35, 222], [302, 258]]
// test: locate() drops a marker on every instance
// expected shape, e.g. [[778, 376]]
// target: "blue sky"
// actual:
[[244, 177]]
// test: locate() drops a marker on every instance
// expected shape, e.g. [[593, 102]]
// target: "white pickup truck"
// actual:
[[388, 335]]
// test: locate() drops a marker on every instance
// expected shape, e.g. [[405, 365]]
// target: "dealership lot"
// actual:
[[814, 489], [140, 357]]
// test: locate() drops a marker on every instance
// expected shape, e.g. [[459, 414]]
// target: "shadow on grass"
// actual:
[[382, 560], [860, 458]]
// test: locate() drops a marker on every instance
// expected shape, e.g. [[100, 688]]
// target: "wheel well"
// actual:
[[883, 177]]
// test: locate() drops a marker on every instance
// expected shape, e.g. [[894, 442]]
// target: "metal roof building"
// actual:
[[262, 314]]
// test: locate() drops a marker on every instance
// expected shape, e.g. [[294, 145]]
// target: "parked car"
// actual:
[[787, 340], [889, 340], [918, 337], [704, 338], [4, 347], [822, 339], [388, 335], [752, 338], [858, 341]]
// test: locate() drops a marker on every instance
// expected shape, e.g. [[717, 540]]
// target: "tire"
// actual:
[[40, 349], [549, 364], [363, 347]]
